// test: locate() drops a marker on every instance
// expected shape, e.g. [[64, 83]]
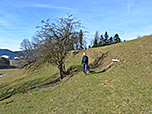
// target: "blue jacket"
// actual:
[[85, 59]]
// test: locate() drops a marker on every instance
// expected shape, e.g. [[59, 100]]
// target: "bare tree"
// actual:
[[54, 39], [26, 55]]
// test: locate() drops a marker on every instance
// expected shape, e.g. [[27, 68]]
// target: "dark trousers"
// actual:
[[85, 66]]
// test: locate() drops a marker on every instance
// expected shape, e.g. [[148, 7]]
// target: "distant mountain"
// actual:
[[11, 54]]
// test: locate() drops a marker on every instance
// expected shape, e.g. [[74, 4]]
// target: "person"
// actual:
[[85, 63]]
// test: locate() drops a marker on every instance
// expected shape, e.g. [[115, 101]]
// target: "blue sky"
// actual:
[[129, 18]]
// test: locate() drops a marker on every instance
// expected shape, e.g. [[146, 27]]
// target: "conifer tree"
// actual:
[[95, 44], [106, 36], [111, 41], [101, 42], [117, 39], [81, 40], [96, 38]]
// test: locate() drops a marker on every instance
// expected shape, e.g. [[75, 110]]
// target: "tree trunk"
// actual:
[[60, 71]]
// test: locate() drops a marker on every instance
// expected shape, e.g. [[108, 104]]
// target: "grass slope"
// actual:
[[125, 88]]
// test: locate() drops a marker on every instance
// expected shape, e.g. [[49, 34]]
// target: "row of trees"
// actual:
[[104, 40], [51, 43]]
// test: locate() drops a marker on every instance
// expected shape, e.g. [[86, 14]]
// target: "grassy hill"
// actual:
[[124, 88]]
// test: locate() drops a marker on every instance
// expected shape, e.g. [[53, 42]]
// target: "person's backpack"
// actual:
[[85, 59]]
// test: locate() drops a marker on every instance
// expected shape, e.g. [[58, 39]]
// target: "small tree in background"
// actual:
[[96, 38], [111, 41], [95, 44], [101, 42], [117, 39], [106, 40], [28, 55], [81, 40]]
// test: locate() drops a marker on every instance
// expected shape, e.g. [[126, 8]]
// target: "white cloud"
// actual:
[[125, 33], [138, 33], [6, 43], [49, 6], [4, 22], [12, 4], [2, 39], [12, 48], [7, 19], [129, 5]]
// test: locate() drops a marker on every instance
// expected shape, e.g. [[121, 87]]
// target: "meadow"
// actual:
[[124, 88]]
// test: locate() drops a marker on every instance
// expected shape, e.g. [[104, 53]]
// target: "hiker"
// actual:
[[85, 63]]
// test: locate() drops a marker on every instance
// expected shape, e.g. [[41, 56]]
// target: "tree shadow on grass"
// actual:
[[102, 71], [22, 88], [36, 83], [98, 61], [41, 82], [69, 73], [94, 72]]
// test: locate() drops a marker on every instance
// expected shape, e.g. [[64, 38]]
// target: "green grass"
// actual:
[[125, 88], [7, 71], [20, 81]]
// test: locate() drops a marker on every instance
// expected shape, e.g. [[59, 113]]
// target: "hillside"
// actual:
[[124, 88], [9, 53]]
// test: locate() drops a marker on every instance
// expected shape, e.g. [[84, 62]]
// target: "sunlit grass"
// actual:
[[125, 88]]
